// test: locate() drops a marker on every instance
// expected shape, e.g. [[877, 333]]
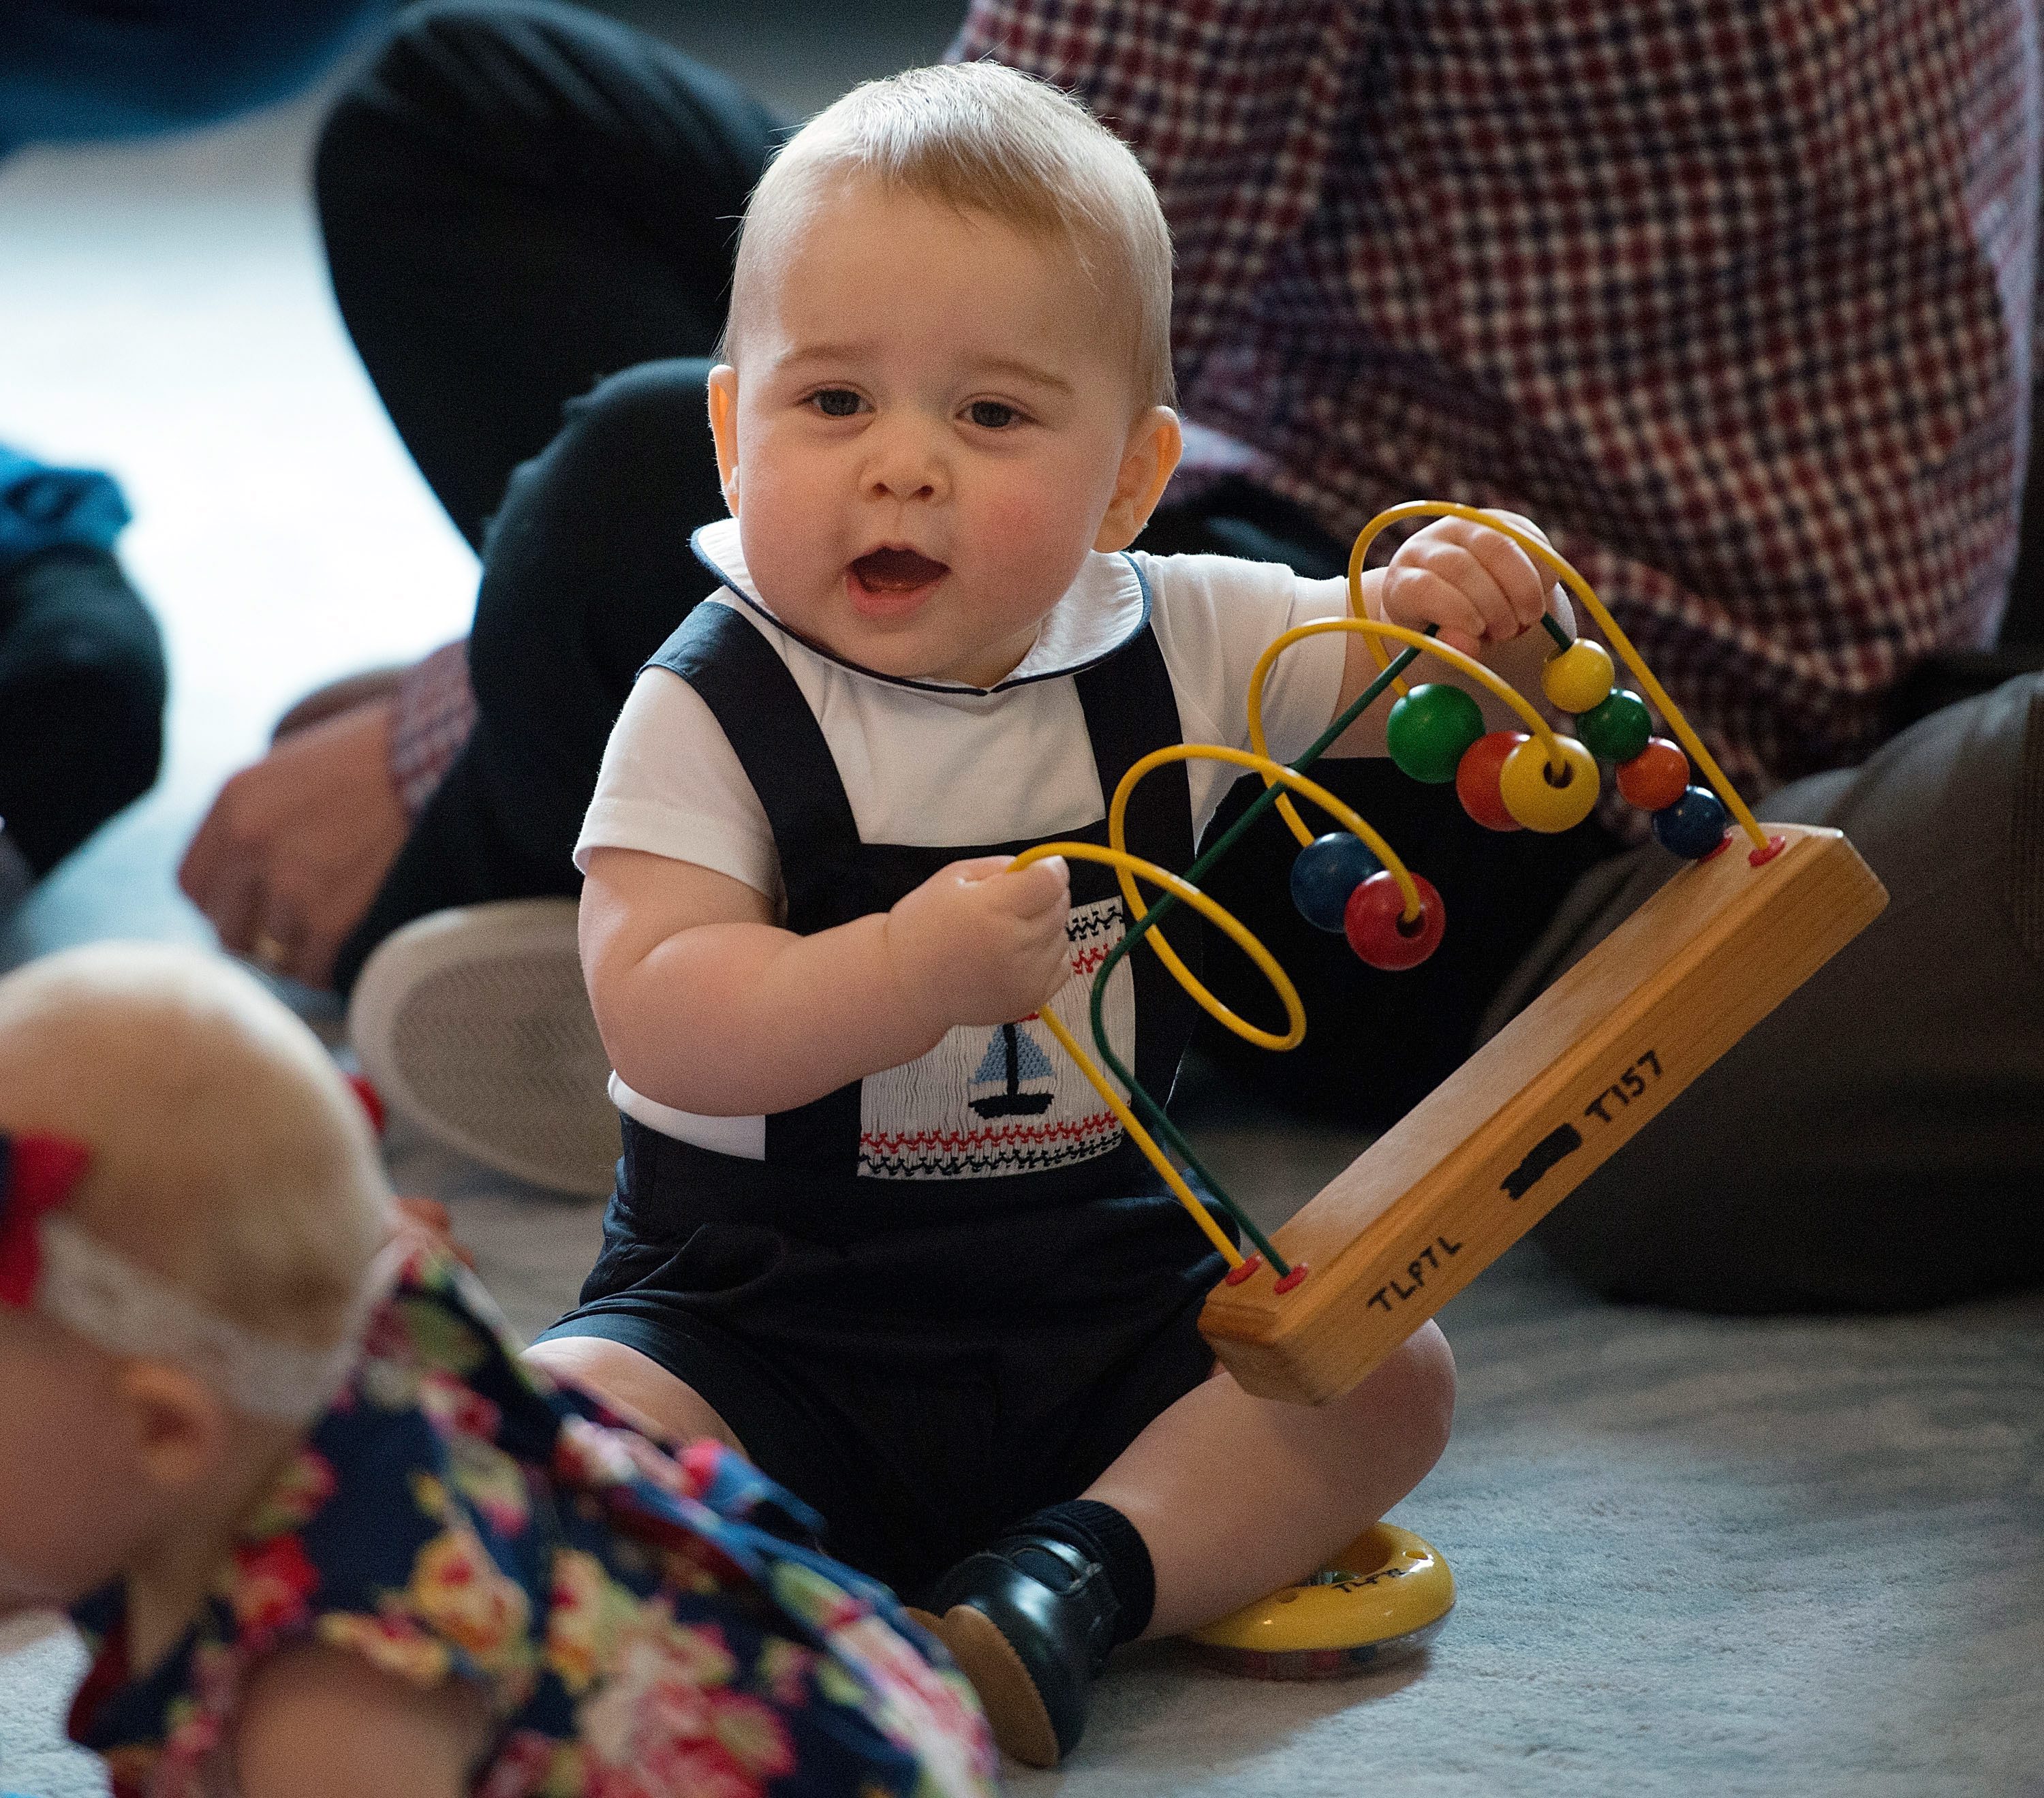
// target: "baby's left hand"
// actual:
[[1474, 582]]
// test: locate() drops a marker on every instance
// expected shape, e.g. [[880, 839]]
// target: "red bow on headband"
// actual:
[[37, 1172]]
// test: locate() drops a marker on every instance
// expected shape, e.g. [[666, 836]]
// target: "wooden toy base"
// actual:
[[1518, 1126]]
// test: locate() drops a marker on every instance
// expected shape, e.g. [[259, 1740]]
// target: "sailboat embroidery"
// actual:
[[990, 1100], [1012, 1056]]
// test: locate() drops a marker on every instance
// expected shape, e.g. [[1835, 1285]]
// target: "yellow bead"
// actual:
[[1579, 678], [1531, 794]]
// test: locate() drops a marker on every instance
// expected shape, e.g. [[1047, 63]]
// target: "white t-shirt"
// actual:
[[934, 765]]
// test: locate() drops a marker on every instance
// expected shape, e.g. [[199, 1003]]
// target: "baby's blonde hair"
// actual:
[[228, 1155], [984, 139]]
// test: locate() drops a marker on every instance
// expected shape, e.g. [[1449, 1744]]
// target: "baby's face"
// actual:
[[71, 1511], [928, 429]]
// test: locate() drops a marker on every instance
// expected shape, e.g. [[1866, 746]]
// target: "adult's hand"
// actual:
[[297, 844]]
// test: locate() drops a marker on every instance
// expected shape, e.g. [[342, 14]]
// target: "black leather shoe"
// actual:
[[1030, 1622]]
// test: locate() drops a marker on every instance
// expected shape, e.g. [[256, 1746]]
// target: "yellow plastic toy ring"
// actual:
[[1386, 1596]]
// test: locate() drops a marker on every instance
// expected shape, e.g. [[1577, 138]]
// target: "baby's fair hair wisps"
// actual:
[[228, 1160], [986, 139]]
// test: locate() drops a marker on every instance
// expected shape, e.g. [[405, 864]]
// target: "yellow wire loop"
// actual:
[[1545, 555], [1372, 629], [1143, 1140], [1127, 867]]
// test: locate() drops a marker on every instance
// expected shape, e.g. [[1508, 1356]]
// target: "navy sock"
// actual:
[[1102, 1534]]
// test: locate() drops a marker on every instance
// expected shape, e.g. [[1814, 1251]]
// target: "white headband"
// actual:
[[127, 1310]]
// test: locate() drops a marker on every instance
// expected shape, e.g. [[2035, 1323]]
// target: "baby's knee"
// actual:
[[1410, 1399], [633, 1385], [1432, 1369]]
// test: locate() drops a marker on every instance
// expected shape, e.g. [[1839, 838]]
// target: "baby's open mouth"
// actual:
[[896, 571]]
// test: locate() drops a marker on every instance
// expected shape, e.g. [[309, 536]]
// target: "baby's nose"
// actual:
[[907, 464]]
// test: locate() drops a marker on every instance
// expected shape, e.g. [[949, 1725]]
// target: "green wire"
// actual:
[[1160, 1125]]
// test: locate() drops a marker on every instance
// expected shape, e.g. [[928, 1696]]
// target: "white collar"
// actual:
[[1099, 613]]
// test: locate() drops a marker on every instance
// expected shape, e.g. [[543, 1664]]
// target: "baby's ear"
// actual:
[[1148, 459], [724, 427], [179, 1424]]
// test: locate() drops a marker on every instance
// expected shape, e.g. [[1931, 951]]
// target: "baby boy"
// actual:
[[871, 1226]]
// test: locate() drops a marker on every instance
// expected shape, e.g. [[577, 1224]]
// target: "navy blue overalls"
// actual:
[[924, 1358]]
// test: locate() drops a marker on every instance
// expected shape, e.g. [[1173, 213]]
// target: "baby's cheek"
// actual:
[[1017, 521], [789, 562]]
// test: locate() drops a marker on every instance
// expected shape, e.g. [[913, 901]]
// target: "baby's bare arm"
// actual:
[[320, 1723], [705, 1004]]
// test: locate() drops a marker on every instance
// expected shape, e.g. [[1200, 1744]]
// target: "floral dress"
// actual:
[[638, 1622]]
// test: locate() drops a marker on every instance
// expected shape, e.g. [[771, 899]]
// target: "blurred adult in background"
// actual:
[[82, 678], [1738, 305]]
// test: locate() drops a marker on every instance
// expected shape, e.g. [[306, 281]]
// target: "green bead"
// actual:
[[1617, 730], [1429, 729]]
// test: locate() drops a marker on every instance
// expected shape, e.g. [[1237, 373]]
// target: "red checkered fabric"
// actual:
[[1733, 296], [435, 712]]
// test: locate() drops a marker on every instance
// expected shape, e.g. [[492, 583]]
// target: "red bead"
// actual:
[[1477, 777], [1654, 779], [1377, 930]]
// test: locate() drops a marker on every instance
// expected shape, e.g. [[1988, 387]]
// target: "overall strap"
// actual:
[[1131, 709], [779, 744]]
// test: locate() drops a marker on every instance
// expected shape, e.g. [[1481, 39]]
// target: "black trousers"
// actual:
[[529, 215]]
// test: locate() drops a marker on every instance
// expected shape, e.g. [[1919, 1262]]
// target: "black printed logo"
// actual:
[[1546, 1155]]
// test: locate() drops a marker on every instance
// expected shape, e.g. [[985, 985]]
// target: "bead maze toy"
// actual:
[[1577, 1074]]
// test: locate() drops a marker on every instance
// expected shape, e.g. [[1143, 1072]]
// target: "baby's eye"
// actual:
[[835, 402], [992, 415]]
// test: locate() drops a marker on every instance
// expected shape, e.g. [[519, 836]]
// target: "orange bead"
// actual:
[[1655, 777], [1476, 779]]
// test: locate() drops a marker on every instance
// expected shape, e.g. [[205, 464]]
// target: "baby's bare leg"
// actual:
[[634, 1385], [1235, 1497]]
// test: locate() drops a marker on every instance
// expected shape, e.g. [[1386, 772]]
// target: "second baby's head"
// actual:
[[947, 374]]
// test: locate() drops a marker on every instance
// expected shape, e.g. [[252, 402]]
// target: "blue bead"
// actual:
[[1694, 825], [1325, 873]]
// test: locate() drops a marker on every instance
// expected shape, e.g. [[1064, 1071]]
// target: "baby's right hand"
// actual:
[[975, 944], [1478, 586]]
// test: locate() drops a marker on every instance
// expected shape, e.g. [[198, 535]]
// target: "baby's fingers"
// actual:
[[1518, 582], [975, 869], [1417, 596], [1455, 553], [1042, 888]]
